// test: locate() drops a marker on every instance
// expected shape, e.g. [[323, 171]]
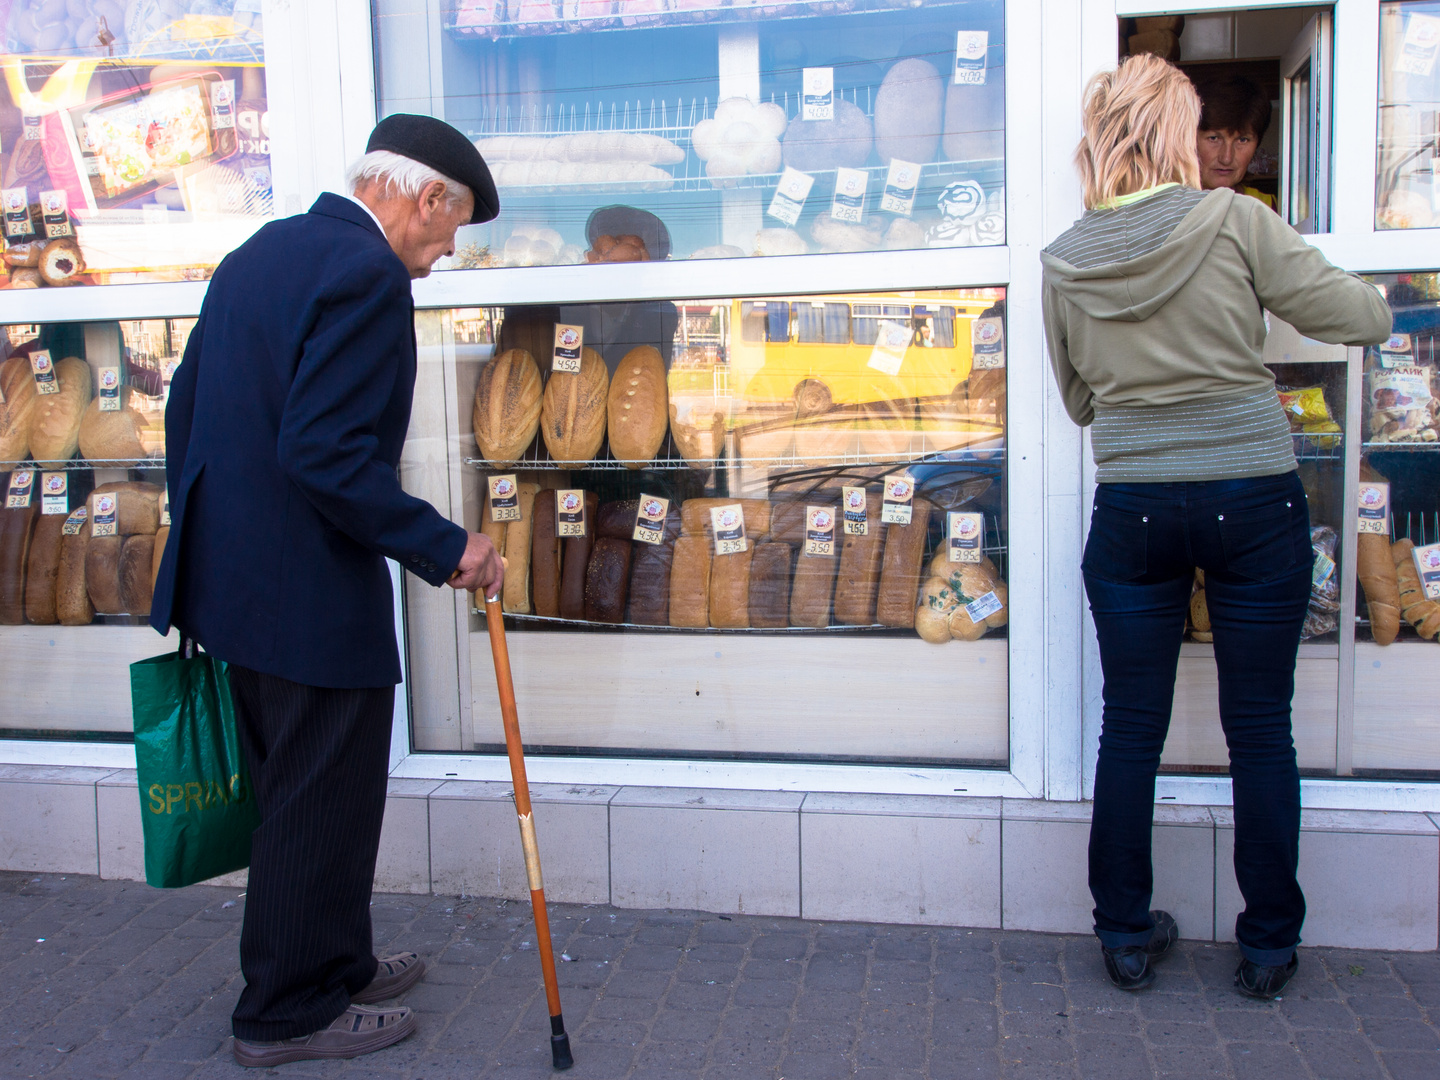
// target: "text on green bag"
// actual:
[[204, 796]]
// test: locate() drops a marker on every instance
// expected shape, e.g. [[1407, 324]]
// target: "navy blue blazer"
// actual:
[[284, 429]]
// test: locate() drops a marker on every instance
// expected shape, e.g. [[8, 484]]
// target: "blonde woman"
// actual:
[[1154, 313]]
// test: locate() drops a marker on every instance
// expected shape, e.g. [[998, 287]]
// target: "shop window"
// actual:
[[679, 641], [134, 149], [1407, 185], [705, 129]]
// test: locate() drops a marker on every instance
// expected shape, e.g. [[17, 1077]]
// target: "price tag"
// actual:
[[1374, 508], [900, 184], [504, 498], [570, 512], [987, 343], [817, 85], [728, 525], [1427, 565], [109, 389], [852, 500], [966, 532], [1422, 41], [54, 493], [899, 491], [569, 341], [22, 486], [970, 48], [982, 608], [819, 530], [165, 507], [75, 522], [891, 342], [650, 519], [55, 213], [16, 203], [31, 120], [790, 196], [849, 201], [44, 371], [222, 104], [106, 509]]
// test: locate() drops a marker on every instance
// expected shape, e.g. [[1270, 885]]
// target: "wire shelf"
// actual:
[[1403, 447], [1318, 447], [80, 464]]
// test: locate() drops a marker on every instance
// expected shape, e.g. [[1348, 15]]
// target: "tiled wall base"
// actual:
[[1372, 879]]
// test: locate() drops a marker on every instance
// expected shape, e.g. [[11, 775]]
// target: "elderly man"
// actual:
[[285, 425]]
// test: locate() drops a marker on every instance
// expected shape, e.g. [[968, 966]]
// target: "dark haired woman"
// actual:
[[1234, 115]]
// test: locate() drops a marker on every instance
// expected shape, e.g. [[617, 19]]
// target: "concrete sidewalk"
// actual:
[[103, 979]]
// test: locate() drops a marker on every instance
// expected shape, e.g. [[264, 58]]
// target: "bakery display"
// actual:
[[572, 412], [960, 601], [507, 406], [55, 418], [606, 579], [135, 431], [638, 407]]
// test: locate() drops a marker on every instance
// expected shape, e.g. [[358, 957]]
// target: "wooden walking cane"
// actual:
[[495, 623]]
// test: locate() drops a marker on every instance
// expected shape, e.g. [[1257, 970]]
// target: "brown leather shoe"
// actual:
[[358, 1030], [393, 976]]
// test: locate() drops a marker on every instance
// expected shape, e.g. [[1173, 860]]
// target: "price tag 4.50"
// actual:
[[569, 343], [853, 504]]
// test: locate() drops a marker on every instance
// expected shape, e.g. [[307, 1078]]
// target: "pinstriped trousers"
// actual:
[[318, 759]]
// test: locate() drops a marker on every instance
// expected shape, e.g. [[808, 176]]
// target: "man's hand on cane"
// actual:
[[481, 569]]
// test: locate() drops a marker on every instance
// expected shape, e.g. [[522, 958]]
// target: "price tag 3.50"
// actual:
[[103, 522], [899, 493], [819, 530]]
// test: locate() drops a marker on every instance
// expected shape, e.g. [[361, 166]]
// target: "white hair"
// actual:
[[400, 175]]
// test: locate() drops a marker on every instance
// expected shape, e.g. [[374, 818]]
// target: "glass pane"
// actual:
[[778, 643], [1407, 195], [688, 127], [1397, 667], [61, 588], [133, 148], [1301, 177]]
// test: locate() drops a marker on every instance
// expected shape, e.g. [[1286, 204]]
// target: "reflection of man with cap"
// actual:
[[285, 425]]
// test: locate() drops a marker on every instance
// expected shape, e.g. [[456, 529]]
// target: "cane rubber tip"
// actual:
[[560, 1051]]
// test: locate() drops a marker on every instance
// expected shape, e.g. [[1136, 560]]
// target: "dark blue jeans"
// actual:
[[1252, 539]]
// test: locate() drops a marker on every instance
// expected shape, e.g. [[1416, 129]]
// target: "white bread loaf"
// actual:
[[55, 421]]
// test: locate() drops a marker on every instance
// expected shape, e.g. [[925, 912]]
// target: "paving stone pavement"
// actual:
[[106, 979]]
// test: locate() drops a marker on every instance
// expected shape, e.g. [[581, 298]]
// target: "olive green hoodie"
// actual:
[[1157, 337]]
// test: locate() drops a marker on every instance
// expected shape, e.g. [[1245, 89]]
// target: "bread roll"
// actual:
[[102, 573], [545, 559], [572, 418], [638, 407], [770, 586], [860, 559], [975, 120], [131, 433], [137, 559], [507, 406], [17, 528], [938, 599], [695, 515], [55, 422], [72, 599], [606, 579], [162, 537], [1419, 611], [41, 567], [900, 569], [574, 562], [816, 145], [17, 382], [811, 589], [137, 506], [650, 584], [515, 595], [1376, 570], [730, 589], [908, 109], [690, 582]]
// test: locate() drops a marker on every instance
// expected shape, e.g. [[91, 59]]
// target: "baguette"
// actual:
[[41, 567], [1419, 612], [1378, 578], [900, 568], [545, 559], [515, 596], [730, 590], [690, 582]]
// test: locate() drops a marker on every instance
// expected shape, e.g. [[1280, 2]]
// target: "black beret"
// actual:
[[435, 143]]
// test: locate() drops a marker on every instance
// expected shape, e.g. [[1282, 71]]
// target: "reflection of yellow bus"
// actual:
[[834, 350]]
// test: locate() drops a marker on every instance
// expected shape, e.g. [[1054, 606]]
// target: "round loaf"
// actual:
[[137, 506], [907, 112], [507, 406], [131, 433], [572, 415], [17, 382], [638, 407], [975, 120], [55, 422], [963, 628], [815, 145]]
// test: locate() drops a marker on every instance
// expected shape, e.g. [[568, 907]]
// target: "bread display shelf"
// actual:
[[580, 626], [1387, 447], [1318, 448], [536, 459], [75, 464]]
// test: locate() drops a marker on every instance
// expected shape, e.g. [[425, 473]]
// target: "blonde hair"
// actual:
[[1140, 122]]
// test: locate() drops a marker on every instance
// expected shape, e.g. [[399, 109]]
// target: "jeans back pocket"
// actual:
[[1260, 545], [1117, 547]]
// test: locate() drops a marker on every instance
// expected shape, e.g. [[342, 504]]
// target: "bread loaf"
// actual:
[[695, 515], [17, 385], [816, 145], [1376, 571], [574, 562], [55, 422], [41, 567], [811, 590], [545, 559], [515, 596], [137, 559], [132, 432], [638, 407], [1200, 611], [72, 599], [730, 589], [606, 579], [860, 559], [102, 573], [975, 120], [162, 537], [17, 528], [690, 582], [572, 418], [489, 527], [507, 406], [1419, 611], [617, 519], [650, 584], [770, 586], [900, 568], [137, 506], [908, 109]]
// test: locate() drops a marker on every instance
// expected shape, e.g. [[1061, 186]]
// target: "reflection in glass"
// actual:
[[1407, 195]]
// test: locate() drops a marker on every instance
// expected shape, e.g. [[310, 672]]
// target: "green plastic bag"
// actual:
[[196, 803]]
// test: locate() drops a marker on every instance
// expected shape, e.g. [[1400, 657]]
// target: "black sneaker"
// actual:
[[1265, 983], [1129, 966]]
